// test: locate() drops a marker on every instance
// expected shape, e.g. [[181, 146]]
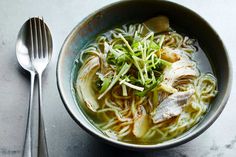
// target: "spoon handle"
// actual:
[[27, 149], [42, 143]]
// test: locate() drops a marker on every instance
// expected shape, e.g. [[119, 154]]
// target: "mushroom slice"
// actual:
[[171, 106], [141, 124], [168, 55], [158, 24], [84, 83]]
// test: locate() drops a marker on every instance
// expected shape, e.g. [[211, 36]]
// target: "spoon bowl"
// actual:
[[23, 48]]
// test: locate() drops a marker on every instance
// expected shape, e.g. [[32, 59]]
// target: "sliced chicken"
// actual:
[[182, 69], [171, 106]]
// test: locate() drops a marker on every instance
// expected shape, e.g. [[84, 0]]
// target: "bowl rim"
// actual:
[[167, 144]]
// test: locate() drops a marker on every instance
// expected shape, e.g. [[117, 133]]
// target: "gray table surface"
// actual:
[[65, 137]]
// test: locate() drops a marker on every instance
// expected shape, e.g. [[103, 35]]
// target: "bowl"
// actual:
[[183, 20]]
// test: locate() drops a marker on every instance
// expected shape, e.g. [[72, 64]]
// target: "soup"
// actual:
[[144, 83]]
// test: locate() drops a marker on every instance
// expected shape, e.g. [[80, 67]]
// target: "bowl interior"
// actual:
[[182, 19]]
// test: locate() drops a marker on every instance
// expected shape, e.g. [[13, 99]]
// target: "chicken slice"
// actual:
[[171, 106]]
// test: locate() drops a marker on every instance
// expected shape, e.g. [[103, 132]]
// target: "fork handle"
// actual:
[[42, 143], [27, 149]]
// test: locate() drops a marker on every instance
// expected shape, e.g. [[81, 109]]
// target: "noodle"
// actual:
[[141, 73]]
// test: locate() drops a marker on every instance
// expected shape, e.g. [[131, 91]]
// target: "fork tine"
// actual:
[[46, 40], [40, 39], [36, 39], [31, 39]]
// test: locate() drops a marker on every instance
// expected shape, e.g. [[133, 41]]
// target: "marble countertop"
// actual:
[[65, 137]]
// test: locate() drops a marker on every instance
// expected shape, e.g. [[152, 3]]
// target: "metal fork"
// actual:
[[40, 55]]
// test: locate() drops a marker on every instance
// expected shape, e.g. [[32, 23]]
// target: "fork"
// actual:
[[40, 55]]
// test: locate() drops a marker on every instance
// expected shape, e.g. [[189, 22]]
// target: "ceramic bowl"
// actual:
[[183, 20]]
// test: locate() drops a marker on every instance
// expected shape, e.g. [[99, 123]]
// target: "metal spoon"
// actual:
[[22, 54]]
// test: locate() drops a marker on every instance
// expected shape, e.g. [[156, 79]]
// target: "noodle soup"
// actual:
[[143, 83]]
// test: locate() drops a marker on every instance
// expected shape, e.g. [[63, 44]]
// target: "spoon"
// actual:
[[22, 54]]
